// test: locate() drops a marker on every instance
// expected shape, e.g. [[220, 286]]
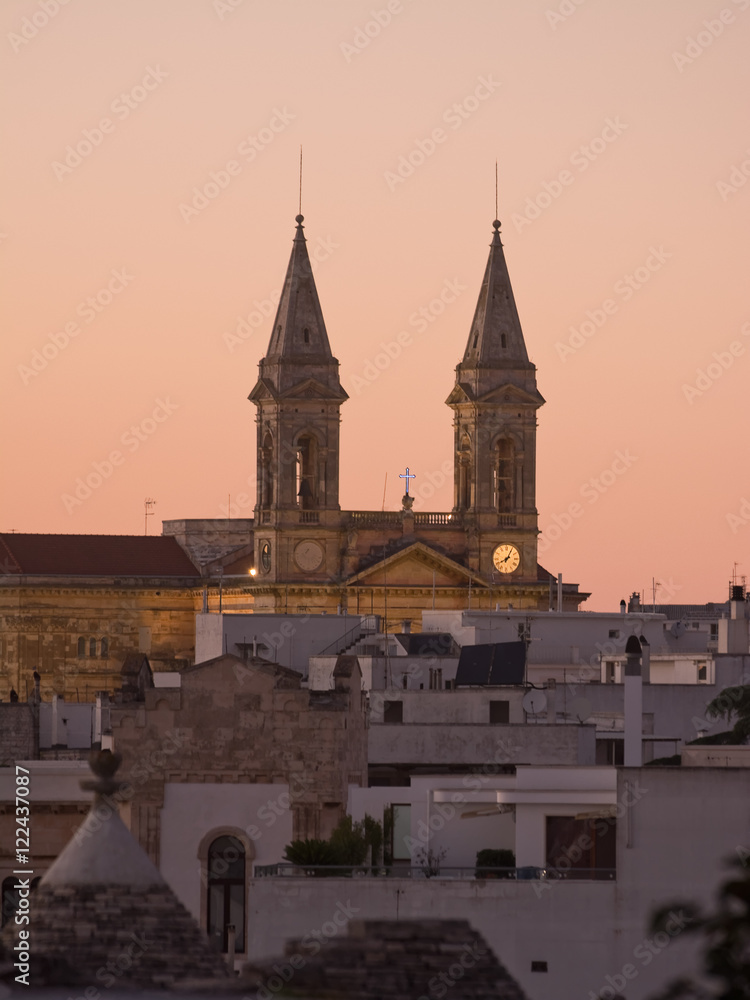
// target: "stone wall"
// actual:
[[232, 721], [40, 627], [19, 736]]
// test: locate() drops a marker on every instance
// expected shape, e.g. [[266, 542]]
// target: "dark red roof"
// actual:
[[93, 555]]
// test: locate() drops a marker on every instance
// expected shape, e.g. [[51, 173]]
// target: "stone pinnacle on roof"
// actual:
[[496, 338], [102, 899], [299, 330]]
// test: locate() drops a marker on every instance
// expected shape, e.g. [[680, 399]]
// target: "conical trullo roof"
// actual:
[[103, 905], [382, 959]]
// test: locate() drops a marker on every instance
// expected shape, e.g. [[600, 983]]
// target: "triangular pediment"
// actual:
[[263, 390], [511, 393], [462, 393], [310, 388], [417, 565]]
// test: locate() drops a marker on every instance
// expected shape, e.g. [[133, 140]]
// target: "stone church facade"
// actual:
[[309, 555], [74, 606]]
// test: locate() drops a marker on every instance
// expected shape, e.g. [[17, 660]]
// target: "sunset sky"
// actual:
[[622, 137]]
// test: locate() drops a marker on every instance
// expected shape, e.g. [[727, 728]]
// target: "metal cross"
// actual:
[[407, 476]]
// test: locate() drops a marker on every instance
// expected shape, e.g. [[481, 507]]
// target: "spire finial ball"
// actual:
[[496, 224], [299, 218]]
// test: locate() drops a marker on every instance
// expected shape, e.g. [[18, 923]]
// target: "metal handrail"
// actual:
[[523, 873]]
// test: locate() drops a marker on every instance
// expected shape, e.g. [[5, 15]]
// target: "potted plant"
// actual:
[[494, 858]]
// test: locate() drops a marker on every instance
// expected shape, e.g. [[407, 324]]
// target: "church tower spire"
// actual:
[[298, 395], [496, 338], [495, 400]]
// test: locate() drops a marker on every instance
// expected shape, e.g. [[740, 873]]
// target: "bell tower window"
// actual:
[[307, 453], [504, 491], [266, 472]]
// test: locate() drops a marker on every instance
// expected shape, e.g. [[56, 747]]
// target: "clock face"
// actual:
[[308, 555], [265, 556], [506, 558]]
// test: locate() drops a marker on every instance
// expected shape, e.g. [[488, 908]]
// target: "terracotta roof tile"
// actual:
[[93, 555]]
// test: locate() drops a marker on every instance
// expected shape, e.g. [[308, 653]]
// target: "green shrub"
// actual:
[[491, 857]]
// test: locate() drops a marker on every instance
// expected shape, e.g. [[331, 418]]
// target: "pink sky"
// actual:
[[168, 91]]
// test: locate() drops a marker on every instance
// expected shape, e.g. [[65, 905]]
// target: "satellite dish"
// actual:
[[677, 630], [581, 709], [534, 701]]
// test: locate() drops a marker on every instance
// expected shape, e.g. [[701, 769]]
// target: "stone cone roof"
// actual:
[[388, 960], [103, 915]]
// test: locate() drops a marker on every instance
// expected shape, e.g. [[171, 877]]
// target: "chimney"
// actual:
[[645, 660], [734, 638], [633, 704], [623, 607]]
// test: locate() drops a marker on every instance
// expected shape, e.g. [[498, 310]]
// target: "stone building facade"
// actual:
[[73, 606], [241, 722]]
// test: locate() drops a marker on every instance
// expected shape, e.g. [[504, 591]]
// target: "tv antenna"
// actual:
[[148, 503]]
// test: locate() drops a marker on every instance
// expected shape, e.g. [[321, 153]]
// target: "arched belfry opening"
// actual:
[[504, 476], [307, 472], [465, 476], [266, 471]]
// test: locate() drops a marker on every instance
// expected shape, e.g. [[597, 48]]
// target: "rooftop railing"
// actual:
[[524, 874]]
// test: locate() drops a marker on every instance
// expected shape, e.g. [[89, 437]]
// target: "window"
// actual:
[[436, 678], [104, 649], [393, 712], [504, 480], [614, 633], [500, 712], [81, 646], [702, 672], [581, 848], [538, 966], [226, 891], [609, 672], [92, 647], [306, 335], [503, 340]]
